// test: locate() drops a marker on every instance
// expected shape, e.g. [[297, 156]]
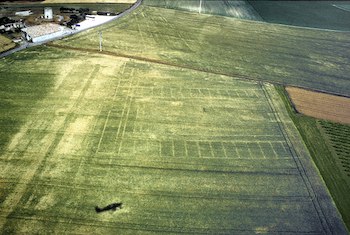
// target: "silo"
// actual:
[[48, 13]]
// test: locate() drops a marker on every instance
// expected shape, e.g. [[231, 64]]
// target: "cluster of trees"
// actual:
[[74, 10], [6, 20]]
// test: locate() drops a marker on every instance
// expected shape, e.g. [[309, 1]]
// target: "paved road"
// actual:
[[25, 44]]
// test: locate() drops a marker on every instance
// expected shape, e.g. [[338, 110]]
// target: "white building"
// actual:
[[42, 32], [24, 13], [48, 13], [11, 26]]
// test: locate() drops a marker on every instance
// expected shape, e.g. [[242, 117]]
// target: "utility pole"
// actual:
[[100, 33], [200, 6]]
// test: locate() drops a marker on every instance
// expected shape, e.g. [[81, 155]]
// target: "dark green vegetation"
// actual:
[[223, 45], [343, 5], [19, 91], [329, 146], [115, 7], [185, 151], [339, 137], [333, 15], [232, 8]]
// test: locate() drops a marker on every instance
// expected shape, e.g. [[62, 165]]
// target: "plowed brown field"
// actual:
[[320, 105]]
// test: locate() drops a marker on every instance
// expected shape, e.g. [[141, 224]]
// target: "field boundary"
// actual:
[[182, 66], [320, 196]]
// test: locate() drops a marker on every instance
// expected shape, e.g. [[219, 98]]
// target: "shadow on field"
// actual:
[[110, 207]]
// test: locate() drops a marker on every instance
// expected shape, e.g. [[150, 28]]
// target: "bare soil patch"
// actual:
[[320, 105]]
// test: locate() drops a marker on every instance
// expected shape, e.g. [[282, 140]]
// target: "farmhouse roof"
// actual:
[[41, 30]]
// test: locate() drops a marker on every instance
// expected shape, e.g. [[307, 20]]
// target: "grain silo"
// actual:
[[48, 13]]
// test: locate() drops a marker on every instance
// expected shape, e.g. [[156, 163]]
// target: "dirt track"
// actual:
[[321, 105]]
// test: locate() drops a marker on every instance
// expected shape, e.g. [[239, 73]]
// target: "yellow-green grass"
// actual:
[[281, 54], [6, 44], [185, 151], [329, 146]]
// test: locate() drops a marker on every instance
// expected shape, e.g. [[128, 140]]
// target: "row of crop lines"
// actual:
[[179, 92], [180, 148], [120, 131], [339, 136]]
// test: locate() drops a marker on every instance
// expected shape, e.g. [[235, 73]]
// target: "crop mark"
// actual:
[[142, 39], [184, 41], [103, 131], [186, 150], [236, 150], [273, 149], [136, 116], [250, 153], [302, 172], [173, 147], [159, 148], [224, 150], [211, 149], [125, 123]]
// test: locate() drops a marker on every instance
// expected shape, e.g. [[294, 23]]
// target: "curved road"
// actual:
[[31, 44]]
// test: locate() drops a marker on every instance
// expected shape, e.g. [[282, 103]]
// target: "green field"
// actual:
[[6, 44], [339, 138], [329, 146], [246, 49], [345, 6], [173, 120], [185, 151], [332, 15], [232, 8]]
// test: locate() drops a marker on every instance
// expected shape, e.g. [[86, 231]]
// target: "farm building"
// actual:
[[13, 26], [48, 13], [43, 32], [24, 13]]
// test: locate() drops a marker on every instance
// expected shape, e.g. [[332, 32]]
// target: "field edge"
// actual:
[[319, 151]]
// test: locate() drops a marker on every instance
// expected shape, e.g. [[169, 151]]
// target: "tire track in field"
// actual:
[[199, 69], [14, 198]]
